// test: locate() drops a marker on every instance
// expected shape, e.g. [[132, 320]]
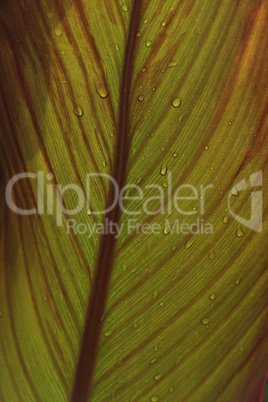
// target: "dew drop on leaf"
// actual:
[[176, 102], [212, 256], [138, 34], [78, 110], [239, 233], [154, 398], [107, 333], [124, 8], [148, 43], [165, 184], [212, 296], [88, 212], [143, 70], [145, 21], [117, 48], [155, 294], [172, 64], [50, 15], [163, 170], [163, 24], [166, 229], [58, 32], [153, 360], [206, 147], [162, 304], [140, 98], [225, 219], [157, 377], [237, 282], [173, 248], [103, 92], [136, 325], [205, 321], [234, 192], [189, 243], [174, 154]]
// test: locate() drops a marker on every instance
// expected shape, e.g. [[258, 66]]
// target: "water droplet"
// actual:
[[64, 81], [205, 321], [230, 123], [155, 294], [171, 389], [148, 43], [163, 170], [103, 92], [117, 48], [138, 34], [225, 219], [163, 148], [78, 110], [163, 24], [173, 248], [104, 164], [89, 212], [145, 21], [141, 98], [211, 167], [58, 32], [107, 333], [124, 8], [234, 192], [176, 102], [212, 296], [136, 324], [154, 398], [139, 180], [239, 233], [157, 377], [162, 304], [206, 147], [212, 256], [154, 88], [153, 360], [237, 282], [189, 243], [50, 15], [166, 229], [172, 64], [143, 69], [174, 154], [165, 184]]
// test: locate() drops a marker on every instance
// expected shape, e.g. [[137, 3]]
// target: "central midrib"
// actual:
[[92, 329]]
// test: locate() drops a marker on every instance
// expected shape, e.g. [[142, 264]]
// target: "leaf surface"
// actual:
[[157, 94]]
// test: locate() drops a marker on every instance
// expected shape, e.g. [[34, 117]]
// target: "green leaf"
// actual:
[[159, 95]]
